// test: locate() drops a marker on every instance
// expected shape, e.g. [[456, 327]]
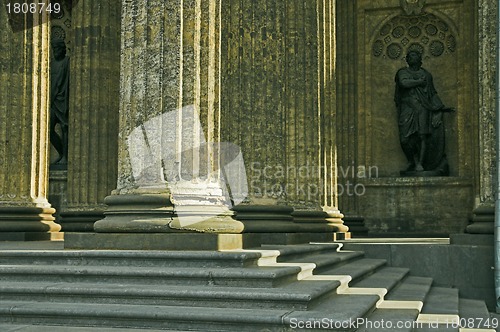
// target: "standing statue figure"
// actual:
[[59, 99], [420, 113]]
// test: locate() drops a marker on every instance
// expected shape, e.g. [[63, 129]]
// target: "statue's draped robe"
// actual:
[[420, 113], [59, 89]]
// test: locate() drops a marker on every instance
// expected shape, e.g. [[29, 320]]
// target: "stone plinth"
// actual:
[[483, 220], [416, 206], [24, 103]]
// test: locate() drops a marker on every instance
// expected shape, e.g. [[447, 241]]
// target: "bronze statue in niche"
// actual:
[[420, 118], [59, 100]]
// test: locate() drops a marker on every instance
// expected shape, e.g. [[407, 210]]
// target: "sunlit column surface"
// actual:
[[24, 105]]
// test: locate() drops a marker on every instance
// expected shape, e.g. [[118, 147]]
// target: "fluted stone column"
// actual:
[[167, 176], [484, 212], [278, 106], [94, 105], [313, 147], [25, 213]]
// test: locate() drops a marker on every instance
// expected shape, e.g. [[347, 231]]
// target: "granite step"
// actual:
[[295, 296], [122, 316], [336, 313], [53, 328], [397, 320], [233, 276], [411, 289], [324, 261], [334, 310], [138, 258], [356, 269], [442, 301], [386, 277], [474, 315]]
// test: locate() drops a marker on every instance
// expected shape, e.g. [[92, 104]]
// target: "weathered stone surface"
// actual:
[[24, 101], [416, 205]]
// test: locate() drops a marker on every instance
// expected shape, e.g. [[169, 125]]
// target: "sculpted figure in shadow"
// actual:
[[420, 116], [59, 99]]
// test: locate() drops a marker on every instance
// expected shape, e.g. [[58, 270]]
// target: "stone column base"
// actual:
[[265, 218], [147, 213], [483, 220], [318, 220], [28, 224], [155, 213], [79, 221], [356, 225], [205, 219]]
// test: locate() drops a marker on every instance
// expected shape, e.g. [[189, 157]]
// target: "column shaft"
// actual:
[[95, 68], [24, 103], [483, 214]]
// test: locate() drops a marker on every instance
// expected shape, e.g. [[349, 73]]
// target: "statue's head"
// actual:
[[58, 48], [413, 58]]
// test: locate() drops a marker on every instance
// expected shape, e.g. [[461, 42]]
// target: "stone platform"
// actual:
[[190, 241]]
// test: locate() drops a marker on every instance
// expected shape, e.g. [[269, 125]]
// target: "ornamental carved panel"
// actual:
[[425, 33]]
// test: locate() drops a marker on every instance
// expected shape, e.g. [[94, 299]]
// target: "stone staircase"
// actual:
[[271, 288]]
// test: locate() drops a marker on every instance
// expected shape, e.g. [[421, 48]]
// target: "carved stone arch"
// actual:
[[431, 33]]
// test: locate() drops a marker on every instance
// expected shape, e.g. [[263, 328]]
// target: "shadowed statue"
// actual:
[[59, 100], [420, 116]]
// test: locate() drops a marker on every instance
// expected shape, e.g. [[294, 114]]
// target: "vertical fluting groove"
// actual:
[[218, 94], [303, 87], [355, 105], [26, 117], [5, 99], [211, 88], [311, 106], [245, 62], [74, 143], [103, 99], [319, 124], [260, 29], [86, 103], [197, 89], [35, 109], [333, 89], [242, 89], [250, 78], [280, 56], [46, 99], [285, 73], [181, 92], [322, 178], [95, 75]]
